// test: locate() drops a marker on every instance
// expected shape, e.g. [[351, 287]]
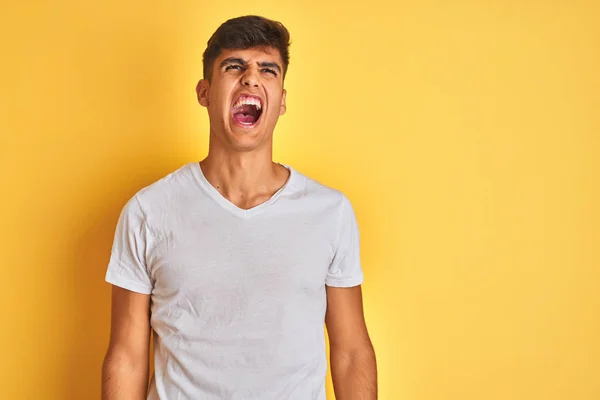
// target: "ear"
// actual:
[[283, 107], [202, 92]]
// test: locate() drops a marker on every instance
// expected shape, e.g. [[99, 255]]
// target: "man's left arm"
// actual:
[[353, 364]]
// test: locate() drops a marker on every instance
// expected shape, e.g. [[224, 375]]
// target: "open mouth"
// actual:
[[247, 110]]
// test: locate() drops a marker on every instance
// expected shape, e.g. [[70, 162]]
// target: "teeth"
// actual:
[[244, 100]]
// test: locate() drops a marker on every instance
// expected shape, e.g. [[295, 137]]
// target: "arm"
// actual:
[[353, 365], [125, 368]]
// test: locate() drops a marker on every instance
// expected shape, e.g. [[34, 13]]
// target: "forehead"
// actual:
[[252, 55]]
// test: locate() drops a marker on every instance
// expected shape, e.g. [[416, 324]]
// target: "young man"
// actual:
[[236, 262]]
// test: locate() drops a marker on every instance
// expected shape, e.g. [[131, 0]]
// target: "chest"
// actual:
[[212, 255]]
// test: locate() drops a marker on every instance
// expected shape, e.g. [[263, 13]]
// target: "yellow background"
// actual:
[[466, 134]]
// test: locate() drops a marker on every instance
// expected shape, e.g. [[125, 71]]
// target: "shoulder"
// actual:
[[166, 191], [311, 189]]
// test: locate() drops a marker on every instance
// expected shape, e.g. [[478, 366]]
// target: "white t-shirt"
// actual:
[[238, 296]]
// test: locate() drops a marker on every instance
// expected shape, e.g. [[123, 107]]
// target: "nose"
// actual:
[[250, 78]]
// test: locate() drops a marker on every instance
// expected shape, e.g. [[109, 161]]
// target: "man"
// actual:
[[236, 262]]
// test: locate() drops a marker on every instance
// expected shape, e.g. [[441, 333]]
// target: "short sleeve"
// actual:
[[345, 269], [127, 265]]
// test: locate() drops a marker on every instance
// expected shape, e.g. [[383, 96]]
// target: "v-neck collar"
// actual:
[[228, 205]]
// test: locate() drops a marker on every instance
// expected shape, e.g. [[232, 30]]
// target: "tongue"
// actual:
[[244, 118], [245, 114]]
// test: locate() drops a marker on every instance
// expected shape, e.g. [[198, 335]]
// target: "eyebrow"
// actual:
[[241, 61], [233, 60]]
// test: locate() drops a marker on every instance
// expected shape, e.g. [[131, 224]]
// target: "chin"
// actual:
[[246, 139]]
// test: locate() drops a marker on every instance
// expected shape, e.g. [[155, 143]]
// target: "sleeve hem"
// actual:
[[349, 282], [126, 284]]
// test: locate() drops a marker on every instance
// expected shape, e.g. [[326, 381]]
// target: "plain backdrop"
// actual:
[[465, 133]]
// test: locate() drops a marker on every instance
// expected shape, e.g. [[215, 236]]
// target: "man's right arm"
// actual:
[[125, 368]]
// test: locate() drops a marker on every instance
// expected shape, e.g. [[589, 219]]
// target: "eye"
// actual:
[[270, 71], [235, 67]]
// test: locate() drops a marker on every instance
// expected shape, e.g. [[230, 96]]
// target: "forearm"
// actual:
[[124, 377], [354, 374]]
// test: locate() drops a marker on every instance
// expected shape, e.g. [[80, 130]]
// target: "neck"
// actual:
[[244, 178]]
